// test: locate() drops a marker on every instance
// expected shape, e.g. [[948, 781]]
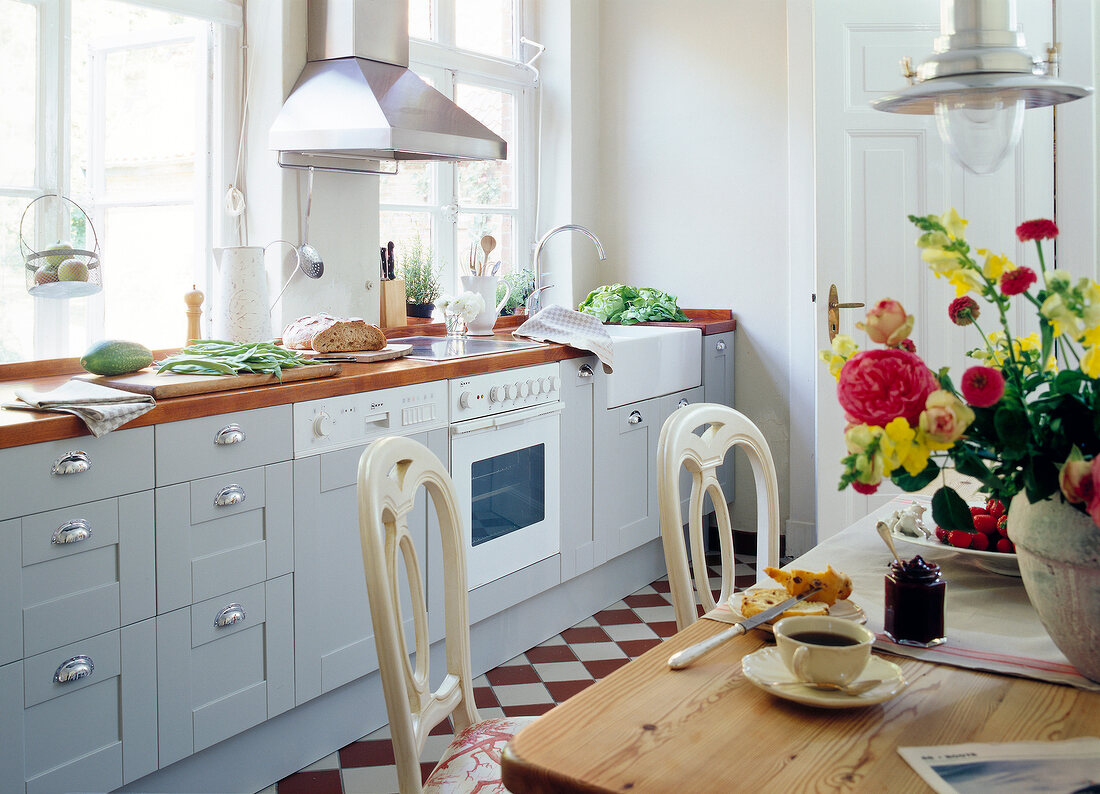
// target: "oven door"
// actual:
[[506, 470]]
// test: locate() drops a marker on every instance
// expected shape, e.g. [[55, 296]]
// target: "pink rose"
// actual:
[[1094, 497], [945, 417], [887, 323], [877, 386], [1076, 480], [983, 386]]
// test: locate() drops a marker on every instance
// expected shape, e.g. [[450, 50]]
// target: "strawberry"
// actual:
[[960, 538], [995, 507], [985, 523], [1002, 526], [1006, 546], [941, 534], [978, 510], [979, 541]]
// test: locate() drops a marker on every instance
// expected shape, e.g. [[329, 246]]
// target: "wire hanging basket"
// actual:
[[61, 271]]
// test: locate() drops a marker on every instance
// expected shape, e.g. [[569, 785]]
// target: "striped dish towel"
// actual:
[[102, 408], [565, 326]]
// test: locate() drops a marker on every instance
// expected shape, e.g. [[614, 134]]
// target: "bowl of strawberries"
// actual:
[[988, 545]]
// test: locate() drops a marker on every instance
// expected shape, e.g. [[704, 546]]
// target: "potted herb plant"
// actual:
[[421, 277], [522, 283]]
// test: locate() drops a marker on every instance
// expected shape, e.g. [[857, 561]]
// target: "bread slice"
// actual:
[[835, 585], [756, 601], [327, 334]]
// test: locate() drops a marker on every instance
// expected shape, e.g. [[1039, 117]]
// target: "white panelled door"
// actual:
[[873, 169]]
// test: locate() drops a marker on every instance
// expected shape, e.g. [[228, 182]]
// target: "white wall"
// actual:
[[692, 173]]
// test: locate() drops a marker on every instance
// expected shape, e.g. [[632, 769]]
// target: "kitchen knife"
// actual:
[[389, 261], [681, 659], [382, 251]]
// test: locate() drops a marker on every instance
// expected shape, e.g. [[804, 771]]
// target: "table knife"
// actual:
[[681, 659]]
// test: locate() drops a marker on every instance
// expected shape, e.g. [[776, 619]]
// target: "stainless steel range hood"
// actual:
[[356, 99]]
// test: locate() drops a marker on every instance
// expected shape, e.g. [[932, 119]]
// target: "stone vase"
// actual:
[[1058, 548]]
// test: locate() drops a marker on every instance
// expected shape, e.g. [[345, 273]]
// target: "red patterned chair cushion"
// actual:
[[471, 765]]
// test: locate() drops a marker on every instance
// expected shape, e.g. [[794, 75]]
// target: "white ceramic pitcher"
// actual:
[[486, 287], [241, 308]]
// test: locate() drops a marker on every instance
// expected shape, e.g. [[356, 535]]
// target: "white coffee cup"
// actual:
[[824, 650]]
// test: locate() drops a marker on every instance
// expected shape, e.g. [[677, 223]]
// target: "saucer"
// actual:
[[846, 610], [765, 666]]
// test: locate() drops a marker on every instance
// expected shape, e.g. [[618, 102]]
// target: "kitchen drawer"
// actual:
[[211, 445], [216, 681], [119, 463], [65, 592], [93, 732], [221, 533]]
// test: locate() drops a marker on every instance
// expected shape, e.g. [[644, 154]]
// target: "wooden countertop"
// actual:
[[30, 427]]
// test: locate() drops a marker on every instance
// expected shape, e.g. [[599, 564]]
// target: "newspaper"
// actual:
[[1009, 768]]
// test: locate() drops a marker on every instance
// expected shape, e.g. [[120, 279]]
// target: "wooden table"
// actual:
[[645, 728]]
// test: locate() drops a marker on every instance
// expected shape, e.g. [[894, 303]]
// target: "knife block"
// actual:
[[393, 303]]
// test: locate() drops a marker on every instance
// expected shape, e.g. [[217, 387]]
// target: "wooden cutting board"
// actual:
[[366, 356], [147, 381]]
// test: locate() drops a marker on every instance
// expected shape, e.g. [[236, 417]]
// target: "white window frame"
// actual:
[[445, 65], [222, 20]]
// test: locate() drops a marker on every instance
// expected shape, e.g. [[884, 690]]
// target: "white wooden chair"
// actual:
[[701, 455], [391, 471]]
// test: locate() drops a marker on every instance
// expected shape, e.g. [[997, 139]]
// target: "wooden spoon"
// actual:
[[488, 245]]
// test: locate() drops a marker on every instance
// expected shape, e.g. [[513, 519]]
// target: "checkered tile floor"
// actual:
[[532, 683]]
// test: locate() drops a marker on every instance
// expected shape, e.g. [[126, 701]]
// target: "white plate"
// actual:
[[994, 561], [764, 668], [847, 610]]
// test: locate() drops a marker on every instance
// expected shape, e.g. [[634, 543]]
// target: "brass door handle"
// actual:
[[834, 311]]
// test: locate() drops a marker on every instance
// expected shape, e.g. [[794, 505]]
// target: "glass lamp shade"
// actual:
[[980, 129]]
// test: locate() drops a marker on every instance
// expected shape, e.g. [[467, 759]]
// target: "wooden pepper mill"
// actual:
[[193, 299]]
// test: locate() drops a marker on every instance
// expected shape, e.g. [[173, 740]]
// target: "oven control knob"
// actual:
[[497, 394], [524, 388], [555, 383], [547, 385], [466, 399], [513, 391], [322, 425], [535, 385]]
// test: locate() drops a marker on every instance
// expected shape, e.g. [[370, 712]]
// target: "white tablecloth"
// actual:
[[991, 625]]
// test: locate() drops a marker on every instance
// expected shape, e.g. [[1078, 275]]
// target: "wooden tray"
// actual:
[[147, 381], [365, 356]]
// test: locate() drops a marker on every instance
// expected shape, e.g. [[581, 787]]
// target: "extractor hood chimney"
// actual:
[[356, 99]]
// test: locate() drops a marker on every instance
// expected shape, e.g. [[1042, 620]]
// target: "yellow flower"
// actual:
[[941, 261], [1090, 362], [933, 240], [901, 448], [868, 466], [1091, 337], [964, 280], [954, 225], [1029, 342], [944, 419], [844, 345], [995, 264]]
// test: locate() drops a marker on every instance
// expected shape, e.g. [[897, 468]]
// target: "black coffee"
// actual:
[[823, 638]]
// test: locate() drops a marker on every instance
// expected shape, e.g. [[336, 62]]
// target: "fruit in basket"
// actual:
[[116, 357], [72, 270], [63, 249], [45, 275]]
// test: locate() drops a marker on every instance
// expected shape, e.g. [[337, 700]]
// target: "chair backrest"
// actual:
[[701, 455], [391, 471]]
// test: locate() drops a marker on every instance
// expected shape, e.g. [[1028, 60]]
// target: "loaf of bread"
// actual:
[[835, 586], [756, 601], [327, 334]]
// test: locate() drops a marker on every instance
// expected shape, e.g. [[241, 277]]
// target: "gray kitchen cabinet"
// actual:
[[220, 533], [81, 717], [577, 395], [669, 404], [224, 665], [718, 388], [334, 638]]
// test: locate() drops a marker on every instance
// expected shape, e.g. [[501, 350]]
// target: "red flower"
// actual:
[[964, 310], [866, 490], [1013, 282], [983, 386], [877, 386], [1039, 229], [906, 345]]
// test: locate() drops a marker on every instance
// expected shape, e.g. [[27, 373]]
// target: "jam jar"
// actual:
[[914, 603]]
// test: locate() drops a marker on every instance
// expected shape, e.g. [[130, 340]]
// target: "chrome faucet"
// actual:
[[534, 300]]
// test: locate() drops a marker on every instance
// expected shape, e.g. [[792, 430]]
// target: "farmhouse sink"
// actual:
[[652, 360]]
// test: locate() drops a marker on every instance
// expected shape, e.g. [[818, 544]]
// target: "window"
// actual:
[[115, 110], [469, 50]]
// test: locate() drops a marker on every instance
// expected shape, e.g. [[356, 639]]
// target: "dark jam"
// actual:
[[914, 603]]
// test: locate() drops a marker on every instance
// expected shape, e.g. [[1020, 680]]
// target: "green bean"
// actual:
[[217, 357]]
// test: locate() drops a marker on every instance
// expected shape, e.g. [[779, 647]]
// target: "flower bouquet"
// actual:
[[458, 311], [1024, 419]]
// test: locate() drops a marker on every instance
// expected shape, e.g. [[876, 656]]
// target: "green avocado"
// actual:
[[116, 357]]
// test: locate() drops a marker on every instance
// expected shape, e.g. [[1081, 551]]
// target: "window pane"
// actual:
[[420, 19], [471, 228], [411, 185], [484, 26], [18, 85], [488, 183], [147, 268], [404, 229], [16, 305]]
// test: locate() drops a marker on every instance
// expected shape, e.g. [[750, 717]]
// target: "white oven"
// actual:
[[505, 463]]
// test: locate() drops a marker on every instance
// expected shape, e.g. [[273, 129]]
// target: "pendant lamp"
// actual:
[[979, 81]]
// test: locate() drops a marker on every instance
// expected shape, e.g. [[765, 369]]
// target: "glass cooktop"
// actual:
[[444, 348]]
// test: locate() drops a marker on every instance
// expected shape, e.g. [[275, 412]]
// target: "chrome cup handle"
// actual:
[[228, 615], [74, 669], [683, 403], [635, 418], [232, 494], [230, 434], [720, 345], [584, 371], [72, 462], [72, 532]]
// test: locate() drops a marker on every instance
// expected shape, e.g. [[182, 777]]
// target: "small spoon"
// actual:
[[855, 688], [884, 533]]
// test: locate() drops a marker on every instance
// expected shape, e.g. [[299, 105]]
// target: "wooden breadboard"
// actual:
[[147, 381]]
